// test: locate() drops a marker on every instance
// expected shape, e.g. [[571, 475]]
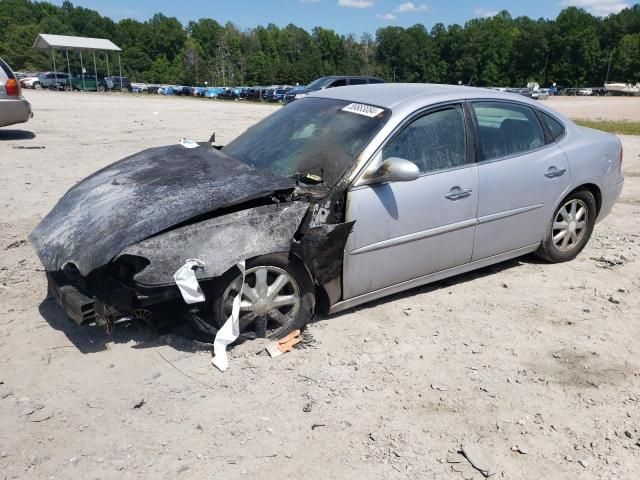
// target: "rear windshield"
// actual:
[[5, 70]]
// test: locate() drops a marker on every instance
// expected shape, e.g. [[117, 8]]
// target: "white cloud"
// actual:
[[356, 3], [386, 16], [483, 12], [601, 8], [410, 7]]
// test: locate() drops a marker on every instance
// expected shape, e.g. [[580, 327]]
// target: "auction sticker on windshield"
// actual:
[[362, 109]]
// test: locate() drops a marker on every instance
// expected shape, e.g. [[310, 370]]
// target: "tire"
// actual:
[[263, 321], [67, 88], [37, 86], [124, 90], [100, 88], [556, 248]]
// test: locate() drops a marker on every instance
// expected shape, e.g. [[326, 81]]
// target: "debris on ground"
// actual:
[[41, 415], [139, 404], [608, 261], [522, 448], [478, 458], [285, 345], [16, 244]]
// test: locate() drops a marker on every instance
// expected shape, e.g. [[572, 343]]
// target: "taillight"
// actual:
[[12, 88]]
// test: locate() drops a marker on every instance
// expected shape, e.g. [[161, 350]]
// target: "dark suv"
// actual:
[[329, 82], [118, 83]]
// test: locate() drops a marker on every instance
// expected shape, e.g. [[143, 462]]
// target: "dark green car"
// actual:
[[88, 84]]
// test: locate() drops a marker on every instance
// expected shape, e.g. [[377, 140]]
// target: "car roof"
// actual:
[[401, 96]]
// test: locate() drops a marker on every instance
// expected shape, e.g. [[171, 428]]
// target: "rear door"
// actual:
[[405, 230], [521, 177]]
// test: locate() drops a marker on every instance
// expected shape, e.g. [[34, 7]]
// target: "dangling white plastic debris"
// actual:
[[186, 143], [187, 282], [230, 331]]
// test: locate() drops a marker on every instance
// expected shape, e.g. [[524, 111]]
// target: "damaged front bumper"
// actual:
[[103, 302]]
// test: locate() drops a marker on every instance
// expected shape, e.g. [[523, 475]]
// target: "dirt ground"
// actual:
[[523, 354]]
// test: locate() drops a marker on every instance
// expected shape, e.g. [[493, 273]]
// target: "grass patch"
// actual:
[[622, 127]]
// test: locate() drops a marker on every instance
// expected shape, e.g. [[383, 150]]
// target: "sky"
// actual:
[[344, 16]]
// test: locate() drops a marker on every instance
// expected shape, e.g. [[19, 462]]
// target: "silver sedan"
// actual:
[[342, 197]]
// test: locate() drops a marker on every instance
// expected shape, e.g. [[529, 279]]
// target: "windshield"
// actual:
[[313, 140], [319, 83]]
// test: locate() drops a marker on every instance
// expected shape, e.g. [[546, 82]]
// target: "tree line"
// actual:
[[575, 49]]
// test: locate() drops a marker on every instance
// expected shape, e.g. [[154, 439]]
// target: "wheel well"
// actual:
[[595, 191]]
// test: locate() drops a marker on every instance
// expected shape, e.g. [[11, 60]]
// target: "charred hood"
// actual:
[[141, 196]]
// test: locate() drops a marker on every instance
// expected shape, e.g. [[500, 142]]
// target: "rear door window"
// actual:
[[357, 81], [555, 127], [507, 129]]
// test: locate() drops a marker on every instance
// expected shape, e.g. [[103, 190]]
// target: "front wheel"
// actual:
[[570, 228], [277, 297], [37, 85]]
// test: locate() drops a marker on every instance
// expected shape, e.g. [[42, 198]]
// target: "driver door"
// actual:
[[405, 230]]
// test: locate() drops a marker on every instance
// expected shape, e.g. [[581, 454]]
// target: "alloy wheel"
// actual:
[[570, 225], [270, 300]]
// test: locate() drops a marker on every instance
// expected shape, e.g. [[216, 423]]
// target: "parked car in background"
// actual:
[[257, 93], [118, 83], [13, 107], [87, 83], [53, 80], [213, 92], [599, 91], [228, 94], [137, 87], [330, 82], [278, 94], [540, 94], [32, 81], [585, 92]]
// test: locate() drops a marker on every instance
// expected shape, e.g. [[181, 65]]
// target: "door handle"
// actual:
[[553, 172], [456, 193]]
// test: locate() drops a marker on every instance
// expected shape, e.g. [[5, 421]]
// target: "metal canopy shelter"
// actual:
[[79, 44]]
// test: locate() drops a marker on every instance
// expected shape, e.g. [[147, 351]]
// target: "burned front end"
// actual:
[[107, 294], [113, 243]]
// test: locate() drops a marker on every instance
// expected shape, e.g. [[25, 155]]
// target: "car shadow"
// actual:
[[91, 338], [177, 334], [446, 283], [16, 135]]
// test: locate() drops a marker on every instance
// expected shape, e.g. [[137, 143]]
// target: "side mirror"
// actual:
[[393, 169]]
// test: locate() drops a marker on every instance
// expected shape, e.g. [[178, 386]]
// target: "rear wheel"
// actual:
[[570, 228], [37, 85], [100, 88], [277, 297]]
